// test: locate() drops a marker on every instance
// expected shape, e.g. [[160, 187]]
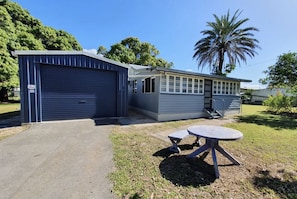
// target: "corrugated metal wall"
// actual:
[[30, 80]]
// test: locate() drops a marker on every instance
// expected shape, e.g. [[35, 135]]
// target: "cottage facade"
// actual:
[[168, 94]]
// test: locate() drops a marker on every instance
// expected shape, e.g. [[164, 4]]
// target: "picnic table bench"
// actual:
[[178, 136]]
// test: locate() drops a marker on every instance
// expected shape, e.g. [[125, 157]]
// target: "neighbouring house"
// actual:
[[64, 85], [168, 94], [258, 96]]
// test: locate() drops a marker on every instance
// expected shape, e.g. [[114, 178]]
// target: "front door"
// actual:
[[207, 94]]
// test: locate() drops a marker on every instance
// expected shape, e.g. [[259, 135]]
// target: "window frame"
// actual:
[[151, 88], [221, 87], [181, 84]]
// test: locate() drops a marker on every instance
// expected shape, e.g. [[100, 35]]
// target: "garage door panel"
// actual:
[[74, 93], [59, 108]]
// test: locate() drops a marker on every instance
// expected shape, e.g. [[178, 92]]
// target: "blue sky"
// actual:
[[172, 26]]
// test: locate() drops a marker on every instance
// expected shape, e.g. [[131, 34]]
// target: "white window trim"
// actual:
[[150, 84], [227, 88], [181, 77]]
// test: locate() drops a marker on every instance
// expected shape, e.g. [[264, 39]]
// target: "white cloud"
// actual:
[[189, 70], [92, 51]]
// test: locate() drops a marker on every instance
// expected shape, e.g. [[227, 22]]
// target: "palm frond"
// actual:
[[225, 38]]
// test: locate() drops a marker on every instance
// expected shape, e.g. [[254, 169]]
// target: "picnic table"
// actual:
[[212, 135]]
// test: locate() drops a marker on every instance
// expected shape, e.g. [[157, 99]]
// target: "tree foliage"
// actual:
[[283, 73], [225, 40], [132, 51], [20, 31]]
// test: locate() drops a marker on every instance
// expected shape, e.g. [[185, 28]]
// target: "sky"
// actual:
[[173, 27]]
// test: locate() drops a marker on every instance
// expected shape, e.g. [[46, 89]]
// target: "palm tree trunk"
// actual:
[[221, 62]]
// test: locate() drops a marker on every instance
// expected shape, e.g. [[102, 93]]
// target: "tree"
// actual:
[[225, 40], [283, 73], [102, 50], [132, 51], [20, 31]]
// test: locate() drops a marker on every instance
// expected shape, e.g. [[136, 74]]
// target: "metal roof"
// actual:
[[61, 52], [136, 67]]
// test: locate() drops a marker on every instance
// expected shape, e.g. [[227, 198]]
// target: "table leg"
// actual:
[[227, 155], [213, 145], [199, 150], [215, 162]]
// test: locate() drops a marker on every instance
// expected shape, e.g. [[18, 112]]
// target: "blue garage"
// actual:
[[65, 85]]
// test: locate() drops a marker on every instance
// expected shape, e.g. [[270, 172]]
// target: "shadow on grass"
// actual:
[[10, 119], [274, 121], [165, 153], [135, 196], [183, 171], [8, 115], [285, 187]]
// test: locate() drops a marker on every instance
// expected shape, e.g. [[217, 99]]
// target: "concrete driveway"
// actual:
[[57, 160]]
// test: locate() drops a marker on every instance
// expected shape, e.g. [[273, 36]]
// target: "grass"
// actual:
[[8, 110], [268, 152]]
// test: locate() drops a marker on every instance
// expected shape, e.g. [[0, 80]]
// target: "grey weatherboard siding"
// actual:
[[166, 106], [59, 85]]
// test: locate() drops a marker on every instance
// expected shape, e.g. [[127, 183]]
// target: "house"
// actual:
[[258, 96], [64, 85], [169, 94]]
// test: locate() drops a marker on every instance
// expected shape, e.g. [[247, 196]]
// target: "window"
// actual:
[[219, 88], [190, 85], [225, 88], [177, 84], [180, 84], [153, 85], [184, 84], [201, 86], [163, 83], [171, 84], [196, 85], [215, 87], [148, 85]]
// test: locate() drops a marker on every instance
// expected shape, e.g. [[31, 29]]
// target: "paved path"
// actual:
[[57, 160]]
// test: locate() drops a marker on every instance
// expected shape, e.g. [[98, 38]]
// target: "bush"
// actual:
[[279, 103]]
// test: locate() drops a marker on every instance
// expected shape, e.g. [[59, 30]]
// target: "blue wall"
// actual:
[[145, 101], [30, 80]]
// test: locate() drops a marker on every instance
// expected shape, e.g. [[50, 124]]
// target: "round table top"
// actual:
[[215, 132]]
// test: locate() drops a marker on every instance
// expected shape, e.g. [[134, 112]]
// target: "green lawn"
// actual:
[[268, 153], [9, 110]]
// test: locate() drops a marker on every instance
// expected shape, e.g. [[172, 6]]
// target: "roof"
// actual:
[[167, 70], [61, 52]]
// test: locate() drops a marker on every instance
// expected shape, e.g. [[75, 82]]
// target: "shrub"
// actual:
[[279, 103]]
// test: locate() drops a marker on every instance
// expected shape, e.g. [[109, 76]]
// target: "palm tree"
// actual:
[[224, 40]]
